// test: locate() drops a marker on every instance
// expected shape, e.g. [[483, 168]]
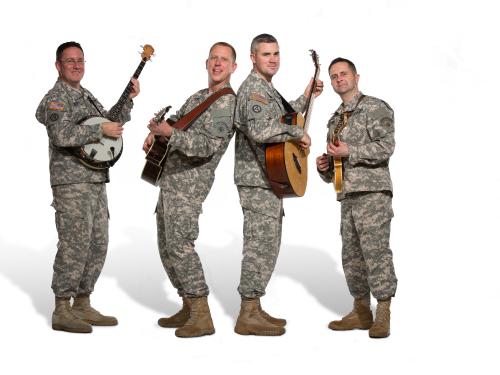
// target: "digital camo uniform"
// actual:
[[258, 111], [366, 200], [185, 182], [79, 192]]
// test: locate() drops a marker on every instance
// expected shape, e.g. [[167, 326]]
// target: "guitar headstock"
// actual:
[[315, 58], [160, 115], [147, 52]]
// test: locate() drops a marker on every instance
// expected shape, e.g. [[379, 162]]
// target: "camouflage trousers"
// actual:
[[177, 230], [82, 229], [262, 215], [366, 255]]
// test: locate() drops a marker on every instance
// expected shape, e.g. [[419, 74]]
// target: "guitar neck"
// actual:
[[114, 112], [310, 99]]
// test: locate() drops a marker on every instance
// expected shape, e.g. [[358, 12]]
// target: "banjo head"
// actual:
[[102, 154]]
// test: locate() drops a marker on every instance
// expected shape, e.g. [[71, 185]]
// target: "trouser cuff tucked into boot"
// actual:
[[359, 318], [82, 309], [64, 320], [200, 321], [178, 319], [251, 322], [382, 326]]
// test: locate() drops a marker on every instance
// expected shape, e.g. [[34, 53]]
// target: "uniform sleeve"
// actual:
[[204, 141], [327, 175], [259, 122], [380, 129], [299, 104], [55, 114]]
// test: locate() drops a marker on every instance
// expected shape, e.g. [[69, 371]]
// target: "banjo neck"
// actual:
[[114, 112]]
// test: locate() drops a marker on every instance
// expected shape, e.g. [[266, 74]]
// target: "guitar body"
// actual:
[[155, 159], [286, 163], [103, 154]]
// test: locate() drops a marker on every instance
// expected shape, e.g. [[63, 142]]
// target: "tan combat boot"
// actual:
[[359, 318], [276, 321], [82, 309], [64, 320], [382, 326], [251, 322], [199, 322], [179, 318]]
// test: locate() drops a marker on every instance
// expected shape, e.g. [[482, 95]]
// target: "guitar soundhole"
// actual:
[[297, 163]]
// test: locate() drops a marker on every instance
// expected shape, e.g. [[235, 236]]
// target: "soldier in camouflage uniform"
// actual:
[[186, 179], [79, 192], [365, 146], [257, 119]]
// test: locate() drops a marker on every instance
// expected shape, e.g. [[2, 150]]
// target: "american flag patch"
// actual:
[[56, 106]]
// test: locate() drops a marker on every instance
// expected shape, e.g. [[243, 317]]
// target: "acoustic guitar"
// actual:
[[105, 153], [157, 154], [286, 162]]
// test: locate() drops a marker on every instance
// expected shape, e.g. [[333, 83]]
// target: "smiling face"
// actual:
[[71, 66], [266, 60], [220, 65]]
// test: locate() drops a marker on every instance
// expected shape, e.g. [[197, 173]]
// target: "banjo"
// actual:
[[106, 152]]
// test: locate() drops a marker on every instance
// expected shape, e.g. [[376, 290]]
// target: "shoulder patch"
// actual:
[[54, 117], [55, 106], [258, 98], [256, 108]]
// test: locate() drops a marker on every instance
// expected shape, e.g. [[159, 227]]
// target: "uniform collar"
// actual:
[[350, 105]]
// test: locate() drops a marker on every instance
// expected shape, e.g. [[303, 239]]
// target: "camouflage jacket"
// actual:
[[369, 135], [257, 119], [193, 154], [60, 110]]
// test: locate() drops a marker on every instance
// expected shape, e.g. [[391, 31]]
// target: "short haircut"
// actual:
[[224, 44], [341, 59], [262, 38], [63, 46]]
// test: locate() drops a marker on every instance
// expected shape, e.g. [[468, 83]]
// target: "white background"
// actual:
[[435, 62]]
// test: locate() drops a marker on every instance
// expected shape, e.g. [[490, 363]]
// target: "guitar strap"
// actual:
[[288, 107], [188, 119]]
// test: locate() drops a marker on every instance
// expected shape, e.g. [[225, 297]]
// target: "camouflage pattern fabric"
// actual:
[[79, 192], [366, 255], [370, 136], [366, 200], [82, 226], [258, 111], [263, 213], [61, 109], [185, 182]]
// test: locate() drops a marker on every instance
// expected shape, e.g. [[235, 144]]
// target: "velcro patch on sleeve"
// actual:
[[55, 106]]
